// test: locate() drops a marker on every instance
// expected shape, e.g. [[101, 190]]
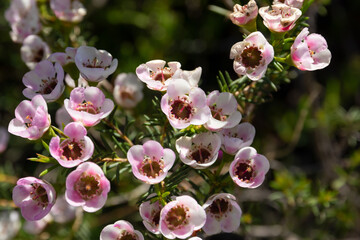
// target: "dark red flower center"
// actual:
[[152, 168], [39, 194], [219, 207], [244, 172], [251, 57], [161, 75], [88, 186], [71, 150], [181, 110], [176, 216], [48, 85], [87, 107], [201, 155]]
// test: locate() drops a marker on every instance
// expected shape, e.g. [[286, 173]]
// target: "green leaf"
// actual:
[[46, 171]]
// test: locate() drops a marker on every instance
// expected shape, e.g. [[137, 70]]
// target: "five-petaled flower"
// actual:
[[120, 230], [252, 56], [128, 90], [150, 213], [150, 162], [34, 197]]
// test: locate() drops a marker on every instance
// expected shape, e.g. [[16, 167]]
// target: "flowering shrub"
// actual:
[[190, 152]]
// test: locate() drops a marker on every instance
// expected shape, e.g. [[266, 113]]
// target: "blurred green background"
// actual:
[[309, 130]]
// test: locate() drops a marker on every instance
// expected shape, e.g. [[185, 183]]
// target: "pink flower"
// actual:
[[150, 162], [223, 107], [310, 52], [280, 18], [292, 3], [64, 58], [242, 15], [249, 168], [68, 10], [184, 105], [237, 137], [4, 139], [127, 90], [88, 105], [181, 217], [199, 151], [36, 227], [62, 212], [94, 65], [252, 56], [23, 17], [73, 150], [46, 79], [120, 230], [87, 187], [34, 197], [222, 214], [150, 213], [31, 119], [192, 77], [156, 75], [34, 50]]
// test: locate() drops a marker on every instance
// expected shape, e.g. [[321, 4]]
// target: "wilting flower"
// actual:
[[199, 151], [184, 105], [94, 65], [310, 52], [62, 212], [9, 224], [34, 197], [127, 90], [87, 187], [4, 139], [222, 214], [34, 50], [156, 75], [68, 10], [46, 79], [150, 213], [88, 105], [150, 162], [249, 168], [292, 3], [233, 139], [24, 20], [120, 230], [64, 57], [181, 217], [242, 15], [31, 119], [252, 56], [73, 150], [223, 107], [280, 18]]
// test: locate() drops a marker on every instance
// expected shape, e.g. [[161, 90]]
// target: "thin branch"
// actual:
[[123, 136]]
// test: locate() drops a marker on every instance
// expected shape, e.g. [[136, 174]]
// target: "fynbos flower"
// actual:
[[242, 15], [150, 162], [150, 213], [127, 90], [68, 10], [120, 230], [222, 214], [34, 50], [252, 56], [32, 119], [233, 139], [292, 3], [249, 168], [73, 150], [310, 52], [199, 151], [34, 197], [87, 187]]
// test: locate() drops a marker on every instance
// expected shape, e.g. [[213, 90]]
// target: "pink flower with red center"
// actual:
[[46, 79], [73, 150], [150, 162], [280, 18], [128, 90], [249, 168], [310, 52], [292, 3], [88, 105], [34, 197], [64, 58], [181, 217], [233, 139], [34, 50], [68, 10], [222, 214], [252, 56], [23, 17], [156, 75], [185, 105], [242, 15], [94, 65], [223, 107], [120, 230], [199, 151], [150, 213], [87, 187], [31, 119]]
